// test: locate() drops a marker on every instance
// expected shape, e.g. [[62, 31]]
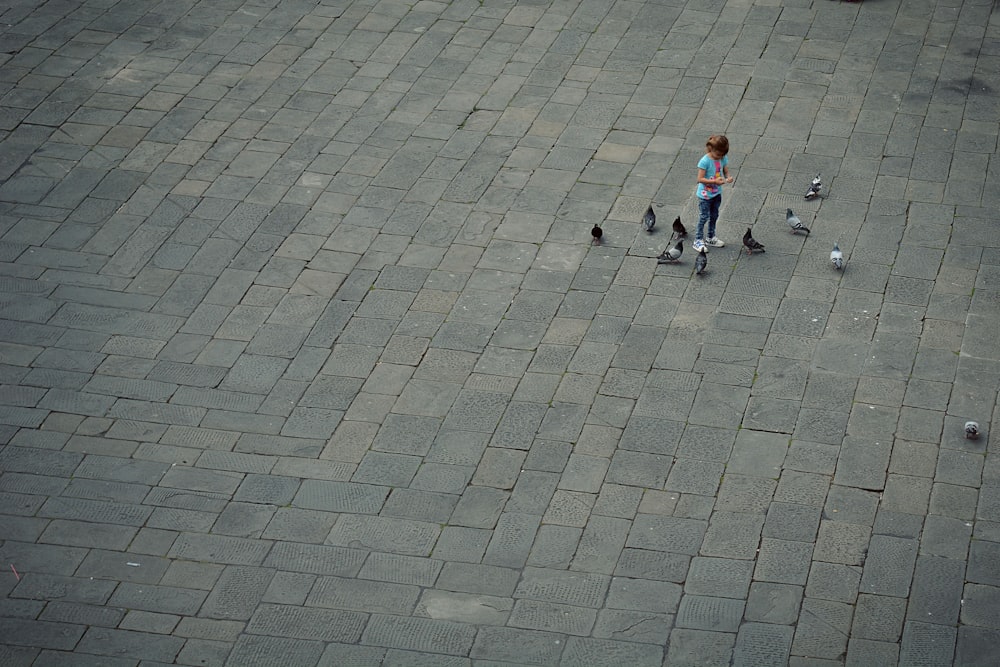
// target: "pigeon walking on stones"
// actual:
[[649, 220], [814, 188], [794, 222], [597, 233], [971, 430], [671, 254], [750, 243], [679, 230], [837, 257], [701, 261]]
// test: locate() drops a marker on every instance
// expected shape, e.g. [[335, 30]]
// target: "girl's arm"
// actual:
[[703, 180]]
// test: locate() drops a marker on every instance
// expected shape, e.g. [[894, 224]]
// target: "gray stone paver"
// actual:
[[306, 357]]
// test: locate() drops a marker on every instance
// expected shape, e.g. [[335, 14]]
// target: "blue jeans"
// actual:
[[708, 211]]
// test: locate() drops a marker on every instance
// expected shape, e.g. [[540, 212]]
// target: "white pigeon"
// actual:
[[794, 222], [971, 430], [837, 257]]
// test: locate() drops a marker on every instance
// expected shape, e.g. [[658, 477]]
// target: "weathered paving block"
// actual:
[[315, 559], [405, 537], [162, 599], [340, 496], [259, 649], [531, 647], [136, 645], [936, 593], [220, 549], [929, 642], [38, 586], [419, 634], [564, 587], [762, 644], [237, 593], [306, 623]]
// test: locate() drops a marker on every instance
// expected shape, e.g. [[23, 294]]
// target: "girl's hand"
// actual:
[[729, 179]]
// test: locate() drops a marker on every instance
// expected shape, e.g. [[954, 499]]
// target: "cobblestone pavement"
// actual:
[[307, 358]]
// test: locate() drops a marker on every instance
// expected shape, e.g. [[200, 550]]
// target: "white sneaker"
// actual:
[[698, 245], [715, 242]]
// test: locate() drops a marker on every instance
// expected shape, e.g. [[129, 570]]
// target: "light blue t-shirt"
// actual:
[[713, 169]]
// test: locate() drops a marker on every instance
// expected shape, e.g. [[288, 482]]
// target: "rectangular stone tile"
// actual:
[[116, 321], [406, 537], [38, 586], [823, 629], [158, 413], [237, 593], [419, 634], [220, 549], [87, 534], [316, 559], [258, 649], [401, 569], [41, 634], [161, 599], [936, 594], [40, 462], [863, 463], [124, 514], [341, 497], [660, 533], [733, 535], [760, 644], [601, 545], [307, 623], [475, 578], [517, 646], [550, 585], [582, 650], [366, 596], [710, 613], [114, 565], [512, 540], [928, 642], [125, 643]]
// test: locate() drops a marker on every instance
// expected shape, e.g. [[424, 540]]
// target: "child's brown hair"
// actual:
[[718, 143]]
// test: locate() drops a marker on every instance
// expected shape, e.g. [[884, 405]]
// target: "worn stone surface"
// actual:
[[307, 357]]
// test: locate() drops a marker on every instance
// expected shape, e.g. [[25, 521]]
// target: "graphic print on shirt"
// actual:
[[712, 190]]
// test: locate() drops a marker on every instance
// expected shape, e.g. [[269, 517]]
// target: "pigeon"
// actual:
[[837, 257], [971, 430], [750, 243], [649, 220], [597, 233], [679, 230], [814, 188], [794, 222], [701, 261], [671, 254]]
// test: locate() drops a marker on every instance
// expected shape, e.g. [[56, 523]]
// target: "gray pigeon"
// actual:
[[814, 188], [794, 222], [837, 257], [701, 261], [649, 220], [679, 229], [971, 430], [751, 244], [672, 254]]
